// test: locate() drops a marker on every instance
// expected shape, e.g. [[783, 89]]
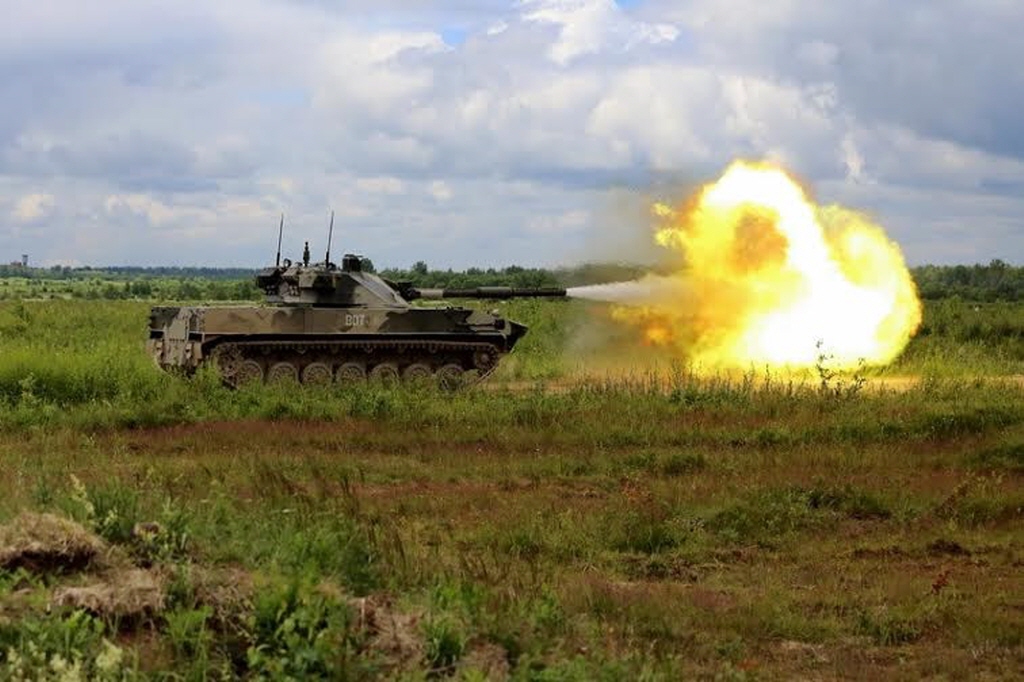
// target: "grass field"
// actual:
[[631, 527]]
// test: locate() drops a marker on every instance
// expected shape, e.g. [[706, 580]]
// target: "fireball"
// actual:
[[774, 280]]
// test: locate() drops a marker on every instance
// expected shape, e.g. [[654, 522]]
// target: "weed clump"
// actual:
[[445, 644], [763, 518], [958, 421], [890, 627], [979, 499], [1008, 457], [191, 636], [298, 631], [681, 463], [114, 512], [72, 647], [851, 502], [338, 548], [768, 516], [646, 531]]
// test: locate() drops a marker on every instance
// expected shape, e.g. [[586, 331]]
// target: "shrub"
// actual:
[[299, 631], [1009, 457], [59, 648], [445, 643]]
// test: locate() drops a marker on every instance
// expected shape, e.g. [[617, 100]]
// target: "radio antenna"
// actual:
[[280, 233], [330, 234]]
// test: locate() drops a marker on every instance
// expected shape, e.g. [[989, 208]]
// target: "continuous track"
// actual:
[[322, 361]]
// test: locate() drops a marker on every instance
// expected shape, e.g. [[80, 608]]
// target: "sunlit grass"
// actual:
[[626, 523]]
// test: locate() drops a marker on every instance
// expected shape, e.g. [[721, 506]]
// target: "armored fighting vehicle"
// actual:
[[324, 323]]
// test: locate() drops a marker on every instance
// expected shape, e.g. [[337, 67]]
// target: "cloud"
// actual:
[[944, 70], [179, 131], [589, 26], [558, 223], [440, 190], [381, 185], [32, 207]]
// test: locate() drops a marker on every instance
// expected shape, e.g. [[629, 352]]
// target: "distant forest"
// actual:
[[994, 281]]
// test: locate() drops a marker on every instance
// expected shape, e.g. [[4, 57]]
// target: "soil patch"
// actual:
[[944, 547]]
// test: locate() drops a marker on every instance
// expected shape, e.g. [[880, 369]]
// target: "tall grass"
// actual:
[[644, 525], [85, 365]]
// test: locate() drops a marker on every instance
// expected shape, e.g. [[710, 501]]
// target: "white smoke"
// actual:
[[652, 288]]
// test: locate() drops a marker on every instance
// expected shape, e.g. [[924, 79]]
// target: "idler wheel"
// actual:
[[484, 360], [386, 373], [282, 372], [248, 372], [417, 373], [351, 373], [316, 373], [450, 376]]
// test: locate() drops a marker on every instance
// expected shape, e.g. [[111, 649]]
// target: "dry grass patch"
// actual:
[[123, 594], [395, 637], [46, 543]]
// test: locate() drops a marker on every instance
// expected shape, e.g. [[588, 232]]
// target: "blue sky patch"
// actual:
[[454, 35]]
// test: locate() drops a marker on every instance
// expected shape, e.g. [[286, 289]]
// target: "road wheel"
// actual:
[[351, 373], [450, 377], [316, 373], [484, 360], [282, 372], [417, 373], [385, 374], [249, 372]]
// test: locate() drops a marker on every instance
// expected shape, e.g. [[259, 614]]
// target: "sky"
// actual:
[[488, 133]]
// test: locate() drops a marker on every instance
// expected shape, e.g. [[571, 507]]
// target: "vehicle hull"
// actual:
[[313, 344]]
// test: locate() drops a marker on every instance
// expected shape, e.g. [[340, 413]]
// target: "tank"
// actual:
[[323, 323]]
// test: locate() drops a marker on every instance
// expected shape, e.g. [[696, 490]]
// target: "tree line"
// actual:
[[996, 281]]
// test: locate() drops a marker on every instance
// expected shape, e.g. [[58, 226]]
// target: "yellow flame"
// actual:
[[774, 280]]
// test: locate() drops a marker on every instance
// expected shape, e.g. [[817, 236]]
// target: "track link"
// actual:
[[345, 361]]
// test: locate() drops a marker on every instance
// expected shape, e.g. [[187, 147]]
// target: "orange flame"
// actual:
[[774, 280]]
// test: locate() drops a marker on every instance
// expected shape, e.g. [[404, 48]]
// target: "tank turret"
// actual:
[[326, 284], [323, 323]]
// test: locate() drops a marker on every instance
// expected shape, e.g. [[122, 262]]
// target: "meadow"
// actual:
[[582, 515]]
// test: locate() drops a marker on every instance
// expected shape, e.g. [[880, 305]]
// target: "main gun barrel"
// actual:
[[492, 292]]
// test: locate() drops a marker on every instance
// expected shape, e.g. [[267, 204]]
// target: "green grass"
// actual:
[[101, 286], [545, 527], [65, 354]]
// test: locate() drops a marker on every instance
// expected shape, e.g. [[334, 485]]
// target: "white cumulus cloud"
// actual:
[[33, 207], [589, 26], [495, 131]]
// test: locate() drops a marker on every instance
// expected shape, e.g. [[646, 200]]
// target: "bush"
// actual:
[[1009, 457], [56, 648], [299, 631]]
